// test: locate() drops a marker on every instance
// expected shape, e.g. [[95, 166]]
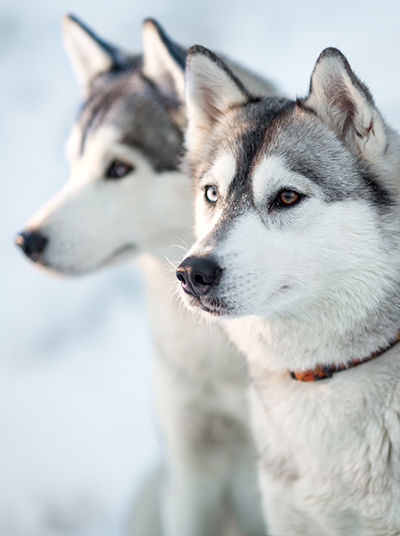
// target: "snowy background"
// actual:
[[77, 432]]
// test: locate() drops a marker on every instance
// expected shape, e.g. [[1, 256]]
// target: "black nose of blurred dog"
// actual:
[[198, 274], [32, 244]]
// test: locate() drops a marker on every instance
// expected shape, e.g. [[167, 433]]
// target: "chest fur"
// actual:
[[333, 446]]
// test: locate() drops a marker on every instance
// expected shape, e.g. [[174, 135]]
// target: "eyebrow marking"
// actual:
[[262, 120], [221, 173], [269, 167], [92, 113]]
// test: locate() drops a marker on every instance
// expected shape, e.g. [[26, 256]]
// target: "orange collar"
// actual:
[[322, 372]]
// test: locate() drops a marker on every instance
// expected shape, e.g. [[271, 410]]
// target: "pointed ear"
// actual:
[[88, 53], [345, 104], [211, 91], [163, 60]]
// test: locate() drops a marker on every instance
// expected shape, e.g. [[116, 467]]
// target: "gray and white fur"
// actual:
[[298, 256], [126, 196]]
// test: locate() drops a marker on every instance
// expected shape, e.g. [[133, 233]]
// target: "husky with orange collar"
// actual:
[[298, 256]]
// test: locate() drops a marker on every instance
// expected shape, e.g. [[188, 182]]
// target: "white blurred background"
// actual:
[[76, 426]]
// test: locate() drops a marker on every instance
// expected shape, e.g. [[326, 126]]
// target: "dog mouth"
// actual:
[[116, 256], [211, 305]]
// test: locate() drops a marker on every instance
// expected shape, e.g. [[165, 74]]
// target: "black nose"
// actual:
[[32, 243], [198, 274]]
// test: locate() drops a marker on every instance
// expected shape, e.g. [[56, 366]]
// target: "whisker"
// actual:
[[183, 241], [179, 246], [174, 266]]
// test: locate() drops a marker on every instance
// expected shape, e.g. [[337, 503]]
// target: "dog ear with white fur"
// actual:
[[163, 60], [88, 53], [345, 104], [211, 91]]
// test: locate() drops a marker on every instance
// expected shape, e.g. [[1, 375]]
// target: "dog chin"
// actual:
[[59, 270], [118, 256], [208, 305]]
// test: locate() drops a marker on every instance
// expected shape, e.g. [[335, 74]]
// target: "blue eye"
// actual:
[[118, 169], [211, 194]]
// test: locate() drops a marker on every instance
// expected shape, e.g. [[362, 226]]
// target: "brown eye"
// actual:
[[118, 169], [288, 197]]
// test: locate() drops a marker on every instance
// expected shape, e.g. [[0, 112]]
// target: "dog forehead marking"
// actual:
[[271, 168], [145, 118], [221, 172], [99, 147]]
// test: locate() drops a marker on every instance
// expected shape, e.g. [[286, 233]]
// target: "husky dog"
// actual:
[[126, 196], [298, 255]]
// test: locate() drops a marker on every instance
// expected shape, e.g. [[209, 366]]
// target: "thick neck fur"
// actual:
[[353, 325]]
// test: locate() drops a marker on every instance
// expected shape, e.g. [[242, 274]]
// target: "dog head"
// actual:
[[125, 193], [297, 203]]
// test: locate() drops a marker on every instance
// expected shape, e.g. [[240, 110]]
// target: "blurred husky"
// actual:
[[298, 220], [127, 196]]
